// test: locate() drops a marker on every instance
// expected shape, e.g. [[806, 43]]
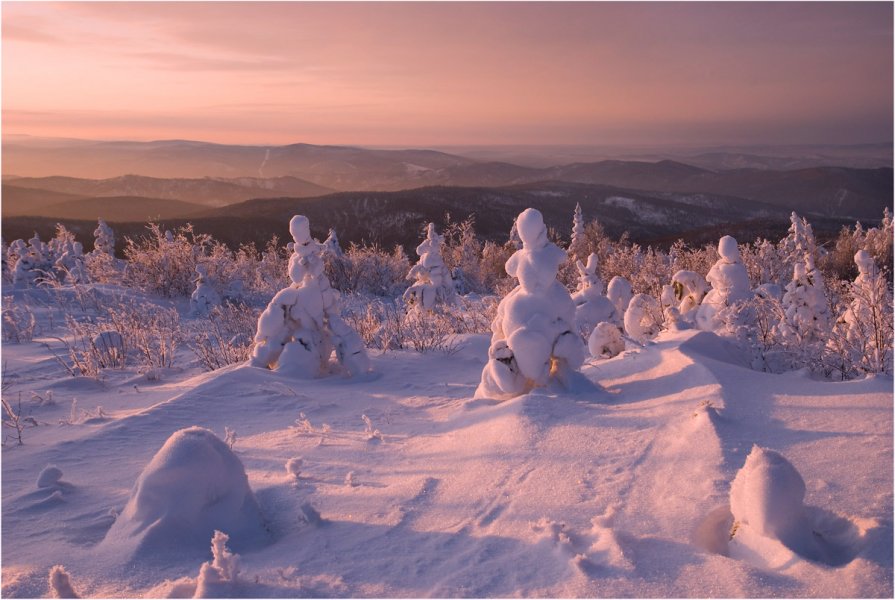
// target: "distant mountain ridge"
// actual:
[[828, 191]]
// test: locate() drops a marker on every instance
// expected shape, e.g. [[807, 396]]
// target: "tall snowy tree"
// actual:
[[868, 319], [579, 242]]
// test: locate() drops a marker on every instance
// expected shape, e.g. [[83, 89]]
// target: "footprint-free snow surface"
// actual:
[[402, 485]]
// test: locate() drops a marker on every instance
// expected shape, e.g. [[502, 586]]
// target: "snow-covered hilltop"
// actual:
[[192, 421]]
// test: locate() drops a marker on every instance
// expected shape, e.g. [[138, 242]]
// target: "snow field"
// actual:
[[619, 491]]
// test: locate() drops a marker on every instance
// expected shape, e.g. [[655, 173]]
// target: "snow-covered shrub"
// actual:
[[331, 244], [19, 322], [221, 338], [805, 325], [619, 293], [591, 306], [60, 584], [432, 283], [462, 253], [368, 270], [193, 486], [730, 285], [218, 577], [643, 318], [164, 262], [534, 335], [689, 290], [204, 297], [605, 341], [71, 265], [302, 325], [867, 323]]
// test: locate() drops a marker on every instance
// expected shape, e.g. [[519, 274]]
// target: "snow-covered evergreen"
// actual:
[[577, 245], [730, 285], [868, 320], [805, 325], [643, 318], [689, 289], [103, 239], [432, 279], [302, 325], [331, 244], [204, 297], [619, 292], [591, 306], [605, 341], [72, 263], [534, 335]]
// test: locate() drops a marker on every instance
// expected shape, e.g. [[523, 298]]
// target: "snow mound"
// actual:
[[191, 488], [49, 477], [768, 494], [773, 528]]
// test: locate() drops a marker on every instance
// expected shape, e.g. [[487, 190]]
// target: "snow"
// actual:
[[49, 477], [623, 489], [193, 486]]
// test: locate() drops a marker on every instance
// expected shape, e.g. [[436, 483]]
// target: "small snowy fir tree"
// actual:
[[4, 257], [591, 306], [619, 293], [432, 279], [103, 239], [798, 243], [25, 271], [204, 297], [805, 325], [578, 243], [730, 286], [515, 240], [643, 318], [302, 325], [331, 244], [534, 335], [868, 319]]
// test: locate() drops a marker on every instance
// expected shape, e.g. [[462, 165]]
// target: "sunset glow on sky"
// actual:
[[455, 73]]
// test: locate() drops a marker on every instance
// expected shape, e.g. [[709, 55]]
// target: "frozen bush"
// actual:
[[221, 339]]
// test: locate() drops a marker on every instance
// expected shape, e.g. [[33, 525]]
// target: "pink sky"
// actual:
[[455, 73]]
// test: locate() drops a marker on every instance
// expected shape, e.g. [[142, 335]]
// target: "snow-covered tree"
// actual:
[[798, 243], [868, 320], [534, 335], [4, 258], [432, 279], [515, 240], [689, 290], [331, 244], [302, 325], [578, 243], [805, 326], [103, 239], [605, 341], [619, 293], [204, 297], [72, 263], [730, 285], [591, 306], [643, 318]]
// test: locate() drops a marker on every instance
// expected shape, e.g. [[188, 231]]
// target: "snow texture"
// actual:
[[533, 335], [193, 486]]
